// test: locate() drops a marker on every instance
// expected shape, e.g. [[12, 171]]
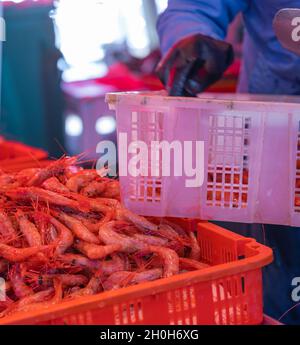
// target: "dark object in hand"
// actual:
[[193, 64]]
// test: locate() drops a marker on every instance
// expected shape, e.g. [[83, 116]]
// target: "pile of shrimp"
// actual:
[[64, 234]]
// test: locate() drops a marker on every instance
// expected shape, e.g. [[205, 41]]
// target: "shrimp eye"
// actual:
[[40, 280]]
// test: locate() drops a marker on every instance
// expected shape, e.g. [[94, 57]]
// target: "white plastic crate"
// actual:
[[251, 155]]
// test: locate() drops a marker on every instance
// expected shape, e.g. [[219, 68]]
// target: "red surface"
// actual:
[[121, 78]]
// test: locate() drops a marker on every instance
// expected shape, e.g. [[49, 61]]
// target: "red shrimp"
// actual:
[[6, 227], [152, 240], [195, 253], [78, 229], [21, 254], [94, 286], [47, 230], [112, 190], [16, 276], [127, 244], [169, 257], [52, 233], [8, 286], [46, 304], [5, 305], [89, 224], [3, 265], [65, 237], [141, 222], [95, 205], [40, 195], [28, 229], [154, 262], [56, 168], [176, 241], [168, 232], [32, 299], [109, 202], [113, 206], [148, 275], [118, 280], [71, 279], [124, 278], [104, 213], [175, 227], [3, 200], [94, 251], [25, 175], [190, 264], [117, 263], [6, 179], [77, 260], [54, 185], [94, 189], [46, 280], [81, 179], [37, 297]]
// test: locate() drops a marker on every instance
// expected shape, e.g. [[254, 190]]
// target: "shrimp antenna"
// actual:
[[32, 156], [61, 147]]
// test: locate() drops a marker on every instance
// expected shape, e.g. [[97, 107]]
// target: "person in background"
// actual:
[[195, 55]]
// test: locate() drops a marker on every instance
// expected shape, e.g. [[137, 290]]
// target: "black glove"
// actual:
[[193, 64]]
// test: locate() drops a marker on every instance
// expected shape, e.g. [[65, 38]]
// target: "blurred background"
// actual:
[[61, 57]]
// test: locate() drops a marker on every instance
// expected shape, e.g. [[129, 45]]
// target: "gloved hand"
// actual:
[[193, 64]]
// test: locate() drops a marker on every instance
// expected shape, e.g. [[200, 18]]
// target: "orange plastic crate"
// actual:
[[228, 292], [13, 154]]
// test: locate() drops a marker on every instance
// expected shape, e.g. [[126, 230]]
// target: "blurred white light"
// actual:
[[73, 125], [161, 5], [135, 28], [83, 26], [88, 71], [105, 125]]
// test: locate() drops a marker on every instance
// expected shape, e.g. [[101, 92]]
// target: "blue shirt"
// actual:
[[267, 66]]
